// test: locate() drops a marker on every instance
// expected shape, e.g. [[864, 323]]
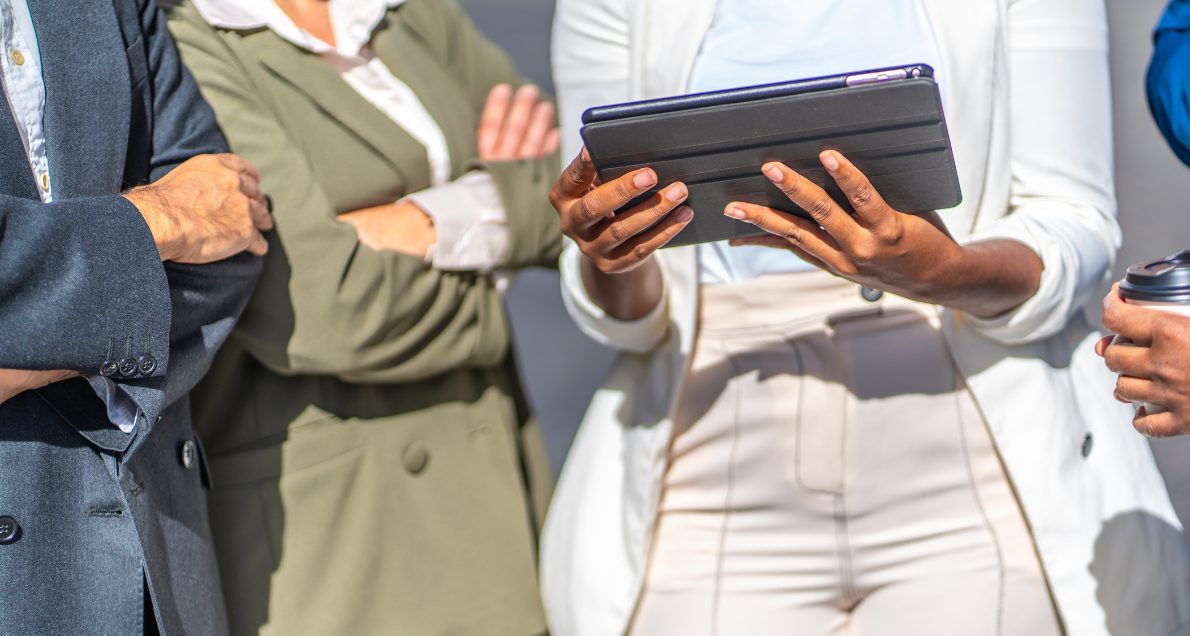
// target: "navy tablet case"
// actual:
[[893, 130]]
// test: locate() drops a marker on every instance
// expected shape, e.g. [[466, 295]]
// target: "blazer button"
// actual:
[[148, 364], [10, 530], [129, 367], [109, 368], [871, 295], [1088, 444], [415, 458], [188, 454]]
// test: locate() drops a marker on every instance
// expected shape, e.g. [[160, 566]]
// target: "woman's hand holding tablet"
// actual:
[[911, 255], [618, 243]]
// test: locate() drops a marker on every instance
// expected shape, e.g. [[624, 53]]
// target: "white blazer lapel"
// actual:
[[670, 34]]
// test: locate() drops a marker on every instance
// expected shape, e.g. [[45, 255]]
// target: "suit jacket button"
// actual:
[[1088, 444], [188, 454], [10, 530], [129, 367], [415, 458], [871, 295], [148, 364], [109, 368]]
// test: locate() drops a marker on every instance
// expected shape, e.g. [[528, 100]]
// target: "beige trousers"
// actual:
[[830, 474]]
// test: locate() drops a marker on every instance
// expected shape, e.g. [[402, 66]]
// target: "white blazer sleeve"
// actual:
[[592, 67], [1063, 194]]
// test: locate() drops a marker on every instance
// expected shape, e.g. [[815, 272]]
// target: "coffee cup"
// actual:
[[1162, 285]]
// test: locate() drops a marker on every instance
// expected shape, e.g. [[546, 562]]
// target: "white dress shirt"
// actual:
[[468, 212], [25, 92], [814, 40]]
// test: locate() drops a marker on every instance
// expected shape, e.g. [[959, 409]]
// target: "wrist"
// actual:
[[155, 212]]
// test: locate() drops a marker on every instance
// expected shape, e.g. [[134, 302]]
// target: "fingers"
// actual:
[[553, 141], [541, 123], [516, 123], [575, 181], [258, 245], [1129, 359], [604, 201], [1134, 323], [1163, 424], [626, 225], [239, 164], [492, 120], [813, 199], [1138, 390], [632, 254], [1102, 345], [258, 210], [795, 232], [869, 205]]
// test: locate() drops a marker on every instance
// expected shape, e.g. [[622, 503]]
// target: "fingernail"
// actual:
[[773, 173], [646, 179], [830, 161], [685, 214], [735, 213], [586, 155], [676, 193]]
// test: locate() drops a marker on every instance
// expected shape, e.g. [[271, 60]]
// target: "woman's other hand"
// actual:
[[911, 255], [397, 227], [517, 126], [1152, 357], [618, 272]]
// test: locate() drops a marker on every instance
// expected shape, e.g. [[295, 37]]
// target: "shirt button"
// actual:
[[10, 530], [18, 58], [1088, 444], [415, 458], [188, 453], [44, 181]]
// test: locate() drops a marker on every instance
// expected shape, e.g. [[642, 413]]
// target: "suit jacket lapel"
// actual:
[[88, 95], [14, 163], [310, 74]]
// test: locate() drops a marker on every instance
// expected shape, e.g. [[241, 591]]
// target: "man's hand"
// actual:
[[205, 210], [516, 126], [1152, 356], [397, 227], [13, 382]]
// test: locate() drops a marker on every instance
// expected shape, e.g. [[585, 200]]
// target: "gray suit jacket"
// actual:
[[104, 516]]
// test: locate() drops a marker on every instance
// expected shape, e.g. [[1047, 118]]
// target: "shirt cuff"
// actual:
[[122, 411], [470, 222]]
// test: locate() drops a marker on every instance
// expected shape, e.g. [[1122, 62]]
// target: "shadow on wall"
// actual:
[[1132, 548]]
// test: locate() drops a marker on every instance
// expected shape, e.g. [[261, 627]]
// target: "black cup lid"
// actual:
[[1163, 281]]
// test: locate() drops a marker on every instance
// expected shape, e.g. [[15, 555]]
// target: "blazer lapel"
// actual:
[[14, 163], [88, 95], [310, 74]]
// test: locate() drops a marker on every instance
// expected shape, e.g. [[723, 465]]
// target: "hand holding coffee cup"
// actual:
[[1150, 312]]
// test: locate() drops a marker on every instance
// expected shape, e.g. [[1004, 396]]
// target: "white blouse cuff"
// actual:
[[470, 222]]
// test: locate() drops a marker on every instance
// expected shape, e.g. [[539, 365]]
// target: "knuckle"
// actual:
[[794, 235], [617, 232], [640, 252], [819, 208], [585, 212], [864, 196], [605, 266]]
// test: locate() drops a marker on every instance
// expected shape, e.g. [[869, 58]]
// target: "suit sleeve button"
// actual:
[[109, 368], [10, 530], [129, 367], [148, 364], [188, 453], [415, 458]]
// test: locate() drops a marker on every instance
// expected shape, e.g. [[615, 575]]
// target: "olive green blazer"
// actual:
[[376, 469]]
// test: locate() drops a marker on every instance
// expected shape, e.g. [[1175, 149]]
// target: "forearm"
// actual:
[[985, 279], [627, 296]]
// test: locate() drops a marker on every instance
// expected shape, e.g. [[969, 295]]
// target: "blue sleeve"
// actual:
[[1168, 80], [207, 299]]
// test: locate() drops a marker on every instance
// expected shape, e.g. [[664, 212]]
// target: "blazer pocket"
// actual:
[[138, 62], [307, 446]]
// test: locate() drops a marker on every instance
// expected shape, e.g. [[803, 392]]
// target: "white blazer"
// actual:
[[1027, 97]]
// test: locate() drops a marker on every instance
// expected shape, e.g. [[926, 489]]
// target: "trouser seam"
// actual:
[[960, 391], [729, 493]]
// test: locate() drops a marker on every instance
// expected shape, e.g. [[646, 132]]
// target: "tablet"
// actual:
[[888, 122]]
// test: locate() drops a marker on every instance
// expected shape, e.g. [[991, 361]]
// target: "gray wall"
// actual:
[[563, 368]]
